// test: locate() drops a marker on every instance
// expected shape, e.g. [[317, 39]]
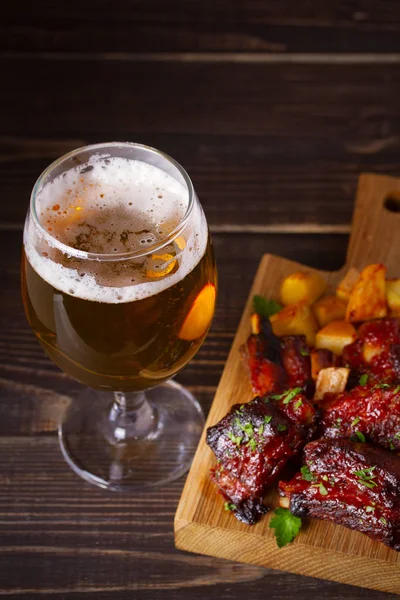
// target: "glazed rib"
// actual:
[[352, 484], [376, 352], [253, 443], [275, 364], [370, 412]]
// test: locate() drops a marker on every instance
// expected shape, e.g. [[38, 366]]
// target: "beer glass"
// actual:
[[119, 286]]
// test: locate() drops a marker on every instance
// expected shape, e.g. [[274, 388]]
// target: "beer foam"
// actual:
[[113, 205]]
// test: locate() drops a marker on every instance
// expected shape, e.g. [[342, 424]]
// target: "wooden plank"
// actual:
[[322, 549], [290, 140], [224, 25], [347, 104]]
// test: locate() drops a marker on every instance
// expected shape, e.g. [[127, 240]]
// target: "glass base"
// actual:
[[144, 448]]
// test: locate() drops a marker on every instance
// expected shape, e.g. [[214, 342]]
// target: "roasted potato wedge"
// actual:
[[345, 287], [393, 296], [331, 381], [368, 297], [296, 319], [305, 287], [330, 308], [335, 336]]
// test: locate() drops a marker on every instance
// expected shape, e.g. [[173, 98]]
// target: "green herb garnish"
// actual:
[[229, 506], [306, 473], [281, 427], [252, 444], [360, 436], [286, 526], [322, 489], [235, 439], [260, 430], [363, 379], [267, 419], [298, 404], [287, 396], [355, 421], [265, 307], [304, 352], [369, 509]]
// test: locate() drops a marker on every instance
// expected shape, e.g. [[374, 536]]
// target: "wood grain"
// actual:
[[289, 139], [322, 549], [220, 26]]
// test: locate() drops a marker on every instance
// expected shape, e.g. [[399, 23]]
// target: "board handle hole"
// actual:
[[392, 202]]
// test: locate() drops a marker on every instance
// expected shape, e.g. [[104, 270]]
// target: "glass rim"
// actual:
[[69, 250]]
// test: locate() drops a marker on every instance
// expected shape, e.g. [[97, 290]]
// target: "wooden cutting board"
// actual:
[[321, 549]]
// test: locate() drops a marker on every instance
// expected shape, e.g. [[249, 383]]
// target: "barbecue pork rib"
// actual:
[[253, 443], [370, 412], [275, 364], [352, 484], [376, 351]]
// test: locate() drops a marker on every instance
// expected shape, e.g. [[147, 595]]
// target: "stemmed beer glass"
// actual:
[[119, 286]]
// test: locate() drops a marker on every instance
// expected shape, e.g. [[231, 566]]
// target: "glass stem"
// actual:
[[131, 417]]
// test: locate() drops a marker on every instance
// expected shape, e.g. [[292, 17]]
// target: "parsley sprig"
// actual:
[[366, 477], [286, 526], [287, 396], [265, 307]]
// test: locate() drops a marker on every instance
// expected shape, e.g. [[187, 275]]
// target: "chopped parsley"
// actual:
[[368, 484], [383, 520], [366, 473], [298, 404], [369, 509], [287, 396], [392, 446], [247, 428], [260, 430], [265, 307], [229, 506], [397, 435], [252, 444], [366, 477], [281, 427], [267, 419], [235, 439], [286, 526], [360, 436], [363, 379], [304, 352], [322, 489], [381, 386], [355, 421], [306, 473]]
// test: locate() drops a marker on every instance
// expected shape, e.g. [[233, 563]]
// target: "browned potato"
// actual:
[[345, 287], [332, 380], [330, 308], [296, 319], [302, 287], [368, 297], [393, 296], [335, 336]]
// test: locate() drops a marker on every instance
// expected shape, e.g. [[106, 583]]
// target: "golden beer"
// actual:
[[110, 307]]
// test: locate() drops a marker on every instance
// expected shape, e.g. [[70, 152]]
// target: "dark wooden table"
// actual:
[[274, 108]]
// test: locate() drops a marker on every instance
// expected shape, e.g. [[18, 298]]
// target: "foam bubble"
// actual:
[[113, 205]]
